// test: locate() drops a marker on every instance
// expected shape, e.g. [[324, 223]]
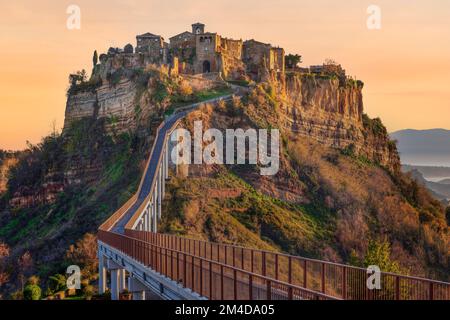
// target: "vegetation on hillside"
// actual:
[[104, 165], [323, 203]]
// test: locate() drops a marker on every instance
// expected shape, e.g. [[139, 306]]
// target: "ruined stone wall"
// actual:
[[232, 48], [278, 60]]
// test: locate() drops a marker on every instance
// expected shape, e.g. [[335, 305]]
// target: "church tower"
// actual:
[[198, 28]]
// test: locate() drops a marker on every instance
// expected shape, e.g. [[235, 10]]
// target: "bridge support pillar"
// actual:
[[163, 180], [159, 189], [115, 284], [166, 162], [145, 221], [101, 273], [148, 225], [122, 280], [154, 220], [116, 279], [136, 288]]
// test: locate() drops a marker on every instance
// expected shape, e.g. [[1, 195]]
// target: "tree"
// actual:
[[330, 62], [78, 78], [292, 60], [95, 58], [84, 253]]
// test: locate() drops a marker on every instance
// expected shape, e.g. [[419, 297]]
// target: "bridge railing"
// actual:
[[333, 279], [211, 279]]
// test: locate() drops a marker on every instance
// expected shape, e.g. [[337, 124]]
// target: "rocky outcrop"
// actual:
[[330, 111], [116, 103]]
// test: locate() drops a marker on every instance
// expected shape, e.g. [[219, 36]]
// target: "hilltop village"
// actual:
[[319, 102], [200, 52]]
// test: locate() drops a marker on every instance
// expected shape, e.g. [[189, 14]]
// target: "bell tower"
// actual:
[[198, 28]]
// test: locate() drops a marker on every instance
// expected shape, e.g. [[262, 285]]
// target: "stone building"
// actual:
[[259, 56], [207, 52], [199, 51], [183, 40], [153, 46]]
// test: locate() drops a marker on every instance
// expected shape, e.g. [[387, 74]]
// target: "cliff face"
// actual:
[[330, 111], [116, 103]]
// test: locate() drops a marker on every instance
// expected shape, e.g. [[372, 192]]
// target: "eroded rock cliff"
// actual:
[[330, 110]]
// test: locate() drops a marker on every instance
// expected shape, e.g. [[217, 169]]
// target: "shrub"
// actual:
[[349, 150], [185, 90], [379, 254], [17, 295], [375, 126], [447, 215], [88, 292], [33, 280], [32, 292], [116, 76], [56, 283]]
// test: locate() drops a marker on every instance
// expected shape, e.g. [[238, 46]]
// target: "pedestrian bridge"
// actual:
[[146, 262]]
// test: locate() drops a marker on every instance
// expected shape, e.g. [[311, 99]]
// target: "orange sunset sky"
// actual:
[[405, 65]]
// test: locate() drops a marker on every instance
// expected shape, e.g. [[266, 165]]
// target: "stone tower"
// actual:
[[198, 28]]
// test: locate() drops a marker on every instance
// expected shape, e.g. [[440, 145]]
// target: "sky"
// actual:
[[405, 65]]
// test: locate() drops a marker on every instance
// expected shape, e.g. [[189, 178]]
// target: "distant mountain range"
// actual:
[[424, 147], [426, 154]]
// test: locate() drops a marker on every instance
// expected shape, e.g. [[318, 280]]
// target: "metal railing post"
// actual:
[[269, 290], [344, 283], [323, 277]]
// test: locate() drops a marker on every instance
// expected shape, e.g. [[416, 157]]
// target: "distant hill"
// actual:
[[445, 181], [424, 147], [439, 190], [437, 174]]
